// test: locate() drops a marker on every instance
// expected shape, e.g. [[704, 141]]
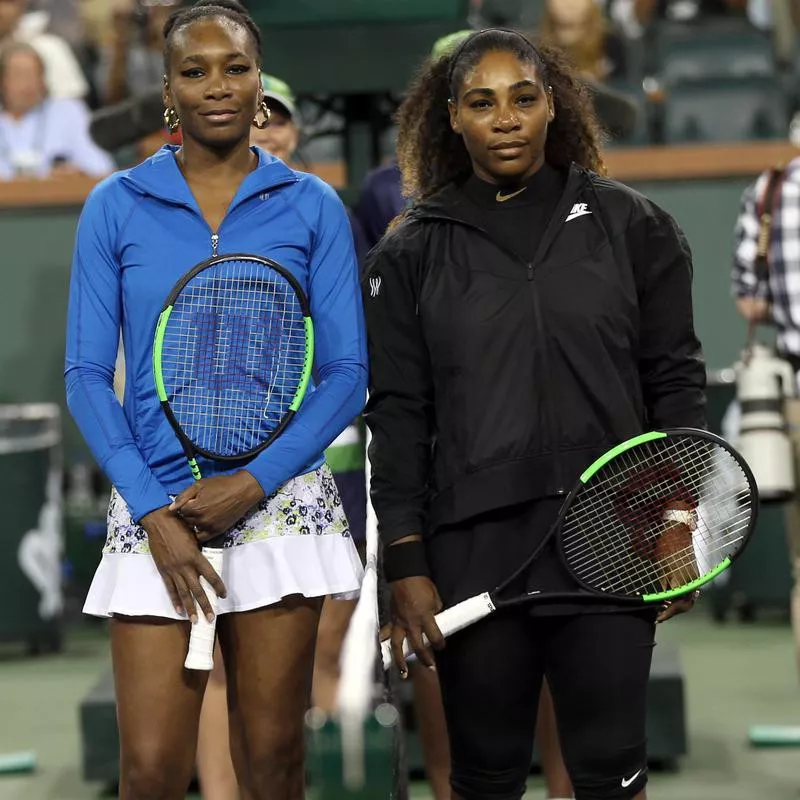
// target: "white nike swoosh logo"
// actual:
[[626, 782], [577, 214], [501, 198]]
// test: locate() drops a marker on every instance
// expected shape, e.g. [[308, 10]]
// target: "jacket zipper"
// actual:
[[550, 234], [196, 211], [550, 405]]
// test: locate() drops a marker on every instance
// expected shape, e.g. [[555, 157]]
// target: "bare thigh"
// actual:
[[269, 660], [158, 706]]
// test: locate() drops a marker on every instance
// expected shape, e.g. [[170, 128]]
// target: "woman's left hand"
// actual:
[[212, 506]]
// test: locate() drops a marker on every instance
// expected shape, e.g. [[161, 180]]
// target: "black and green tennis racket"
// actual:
[[653, 519], [232, 359]]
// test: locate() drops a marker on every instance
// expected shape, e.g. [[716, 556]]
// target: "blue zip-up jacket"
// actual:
[[139, 232]]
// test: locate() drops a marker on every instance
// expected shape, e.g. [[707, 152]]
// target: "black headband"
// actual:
[[472, 37]]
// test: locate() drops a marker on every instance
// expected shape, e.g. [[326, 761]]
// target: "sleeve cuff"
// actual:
[[408, 526], [142, 492]]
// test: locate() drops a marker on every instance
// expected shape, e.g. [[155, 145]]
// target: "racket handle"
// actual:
[[450, 621], [201, 640]]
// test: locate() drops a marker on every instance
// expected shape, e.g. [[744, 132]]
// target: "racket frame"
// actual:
[[189, 448], [583, 480], [668, 594]]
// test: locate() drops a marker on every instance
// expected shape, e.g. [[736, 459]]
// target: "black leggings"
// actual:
[[596, 658], [597, 666]]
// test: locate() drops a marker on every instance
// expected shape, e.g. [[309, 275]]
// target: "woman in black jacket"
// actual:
[[524, 315]]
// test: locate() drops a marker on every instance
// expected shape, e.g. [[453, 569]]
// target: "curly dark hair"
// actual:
[[206, 9], [431, 155]]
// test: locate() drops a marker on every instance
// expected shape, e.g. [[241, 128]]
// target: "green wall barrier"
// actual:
[[706, 210]]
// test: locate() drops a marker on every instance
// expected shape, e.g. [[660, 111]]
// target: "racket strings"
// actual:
[[233, 356], [698, 547], [615, 538], [724, 498], [686, 563]]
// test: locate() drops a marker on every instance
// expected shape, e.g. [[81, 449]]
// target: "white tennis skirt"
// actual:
[[297, 541]]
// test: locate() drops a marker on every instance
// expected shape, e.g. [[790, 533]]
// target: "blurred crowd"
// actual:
[[62, 59]]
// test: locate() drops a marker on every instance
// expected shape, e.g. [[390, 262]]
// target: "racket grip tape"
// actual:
[[449, 621], [203, 635]]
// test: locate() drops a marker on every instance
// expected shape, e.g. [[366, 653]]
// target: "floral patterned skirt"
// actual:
[[297, 541]]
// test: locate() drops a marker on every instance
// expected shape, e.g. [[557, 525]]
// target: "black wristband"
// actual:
[[405, 560]]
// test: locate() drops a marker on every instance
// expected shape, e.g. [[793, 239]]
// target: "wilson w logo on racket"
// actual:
[[652, 519], [232, 359]]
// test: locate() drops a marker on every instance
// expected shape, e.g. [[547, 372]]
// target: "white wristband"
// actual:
[[680, 515]]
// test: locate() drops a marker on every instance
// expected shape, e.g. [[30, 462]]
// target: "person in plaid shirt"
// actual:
[[775, 301]]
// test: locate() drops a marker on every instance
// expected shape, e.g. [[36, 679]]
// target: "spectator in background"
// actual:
[[41, 135], [579, 28], [629, 16], [63, 75], [133, 62], [63, 18], [97, 23], [770, 208], [380, 201], [680, 10], [281, 138]]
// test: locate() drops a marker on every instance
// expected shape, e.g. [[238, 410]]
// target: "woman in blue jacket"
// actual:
[[140, 231]]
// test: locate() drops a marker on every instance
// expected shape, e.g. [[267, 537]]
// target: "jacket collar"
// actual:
[[450, 203], [159, 176]]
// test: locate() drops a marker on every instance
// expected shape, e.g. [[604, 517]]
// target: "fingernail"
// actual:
[[210, 617], [432, 668], [180, 610], [403, 674], [194, 619]]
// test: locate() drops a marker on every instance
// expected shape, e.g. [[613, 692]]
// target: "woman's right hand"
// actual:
[[180, 563], [415, 601], [753, 309]]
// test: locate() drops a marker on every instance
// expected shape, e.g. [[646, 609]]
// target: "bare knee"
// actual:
[[152, 777], [274, 765]]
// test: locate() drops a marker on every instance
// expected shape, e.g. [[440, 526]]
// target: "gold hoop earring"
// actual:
[[264, 110], [171, 119]]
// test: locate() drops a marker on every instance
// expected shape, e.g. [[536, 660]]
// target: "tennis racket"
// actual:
[[653, 519], [232, 358]]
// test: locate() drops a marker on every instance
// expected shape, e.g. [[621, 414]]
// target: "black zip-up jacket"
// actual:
[[494, 381]]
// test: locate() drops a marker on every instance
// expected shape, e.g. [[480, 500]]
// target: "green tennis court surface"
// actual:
[[737, 676]]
